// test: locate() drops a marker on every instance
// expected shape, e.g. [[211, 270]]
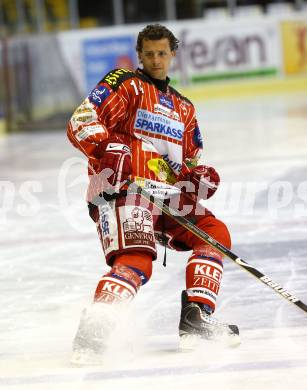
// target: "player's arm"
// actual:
[[94, 126], [93, 121]]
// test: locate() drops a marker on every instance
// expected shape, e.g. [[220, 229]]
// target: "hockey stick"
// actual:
[[186, 223]]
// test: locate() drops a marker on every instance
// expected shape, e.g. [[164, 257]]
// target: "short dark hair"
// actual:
[[154, 32]]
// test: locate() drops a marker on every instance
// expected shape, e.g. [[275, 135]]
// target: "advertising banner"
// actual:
[[207, 51], [90, 54], [100, 55], [213, 52], [294, 45], [61, 69]]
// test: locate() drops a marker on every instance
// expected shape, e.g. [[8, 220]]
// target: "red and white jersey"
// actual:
[[160, 128]]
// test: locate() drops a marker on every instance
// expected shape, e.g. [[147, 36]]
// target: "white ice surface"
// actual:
[[51, 261]]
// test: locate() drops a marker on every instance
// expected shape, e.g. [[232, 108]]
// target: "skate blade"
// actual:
[[190, 342]]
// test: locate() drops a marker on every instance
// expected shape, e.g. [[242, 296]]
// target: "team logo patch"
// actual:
[[138, 228], [166, 101], [99, 95]]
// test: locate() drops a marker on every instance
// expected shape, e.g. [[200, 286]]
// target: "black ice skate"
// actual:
[[196, 323]]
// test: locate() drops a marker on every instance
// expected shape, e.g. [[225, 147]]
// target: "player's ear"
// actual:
[[174, 53]]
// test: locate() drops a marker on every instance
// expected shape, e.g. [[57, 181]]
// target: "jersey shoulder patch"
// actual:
[[116, 77], [178, 94]]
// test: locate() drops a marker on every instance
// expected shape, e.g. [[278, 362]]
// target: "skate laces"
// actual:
[[206, 313], [208, 319]]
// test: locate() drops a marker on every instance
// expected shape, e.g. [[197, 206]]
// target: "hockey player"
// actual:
[[134, 125]]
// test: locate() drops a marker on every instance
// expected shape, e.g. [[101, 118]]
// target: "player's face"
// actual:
[[156, 57]]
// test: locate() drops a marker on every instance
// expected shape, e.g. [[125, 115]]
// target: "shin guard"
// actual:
[[203, 276], [120, 284]]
